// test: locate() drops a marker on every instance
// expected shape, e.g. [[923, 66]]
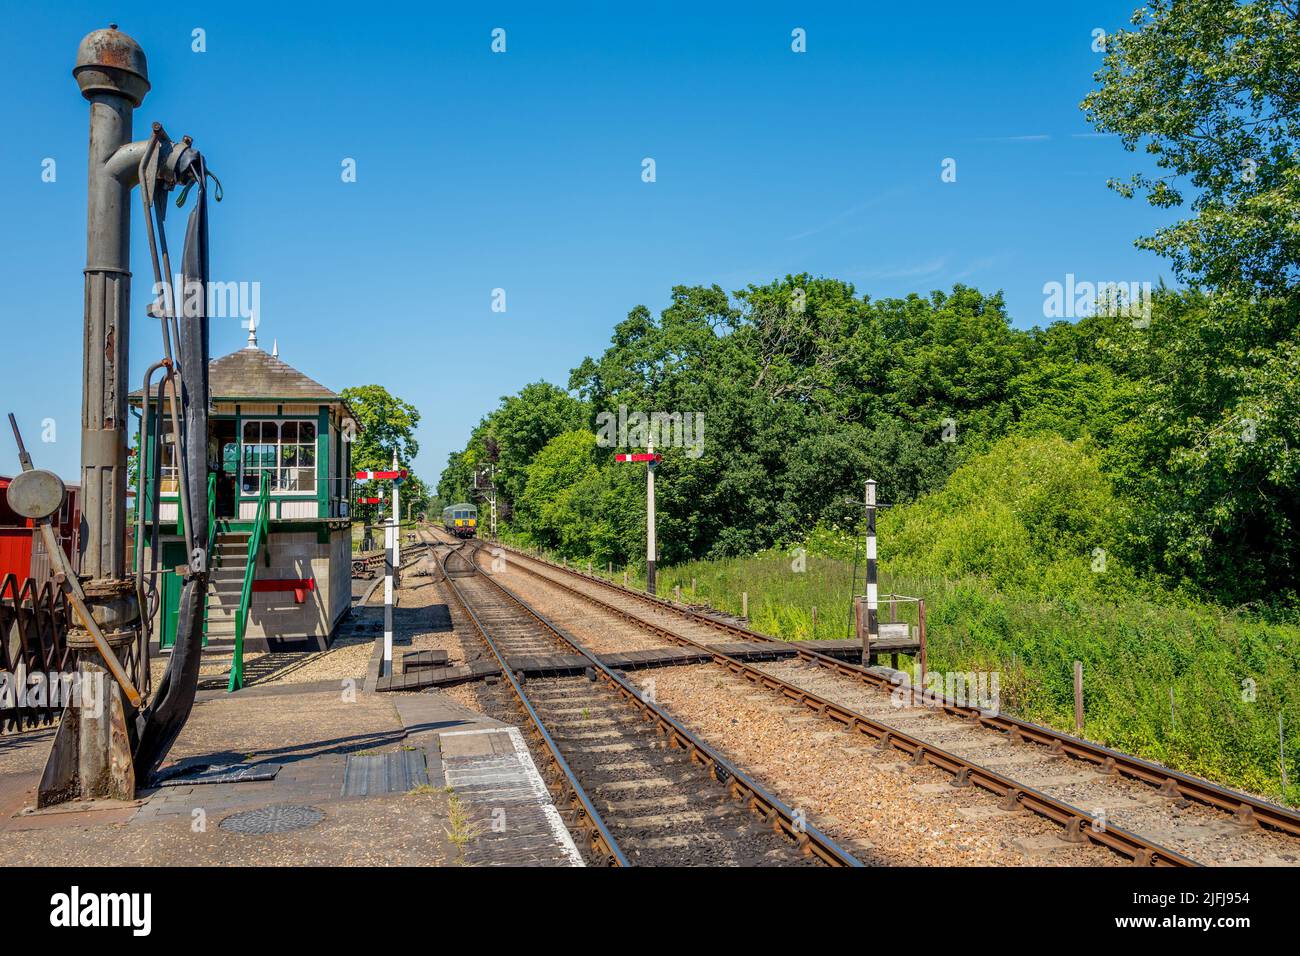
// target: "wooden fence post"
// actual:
[[1078, 698], [920, 615], [893, 619], [1281, 752], [744, 604]]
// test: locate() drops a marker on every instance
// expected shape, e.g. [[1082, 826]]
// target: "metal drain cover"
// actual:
[[372, 774], [277, 819]]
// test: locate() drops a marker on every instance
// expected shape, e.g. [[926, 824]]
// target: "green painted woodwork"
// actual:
[[256, 547], [170, 583]]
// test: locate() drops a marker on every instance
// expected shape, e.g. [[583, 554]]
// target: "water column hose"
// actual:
[[161, 724]]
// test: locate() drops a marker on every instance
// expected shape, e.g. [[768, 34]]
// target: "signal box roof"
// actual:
[[251, 374]]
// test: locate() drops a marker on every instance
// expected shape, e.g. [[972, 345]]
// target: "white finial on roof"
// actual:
[[252, 334], [275, 348]]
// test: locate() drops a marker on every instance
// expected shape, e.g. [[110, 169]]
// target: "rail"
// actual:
[[212, 510], [781, 817], [602, 840]]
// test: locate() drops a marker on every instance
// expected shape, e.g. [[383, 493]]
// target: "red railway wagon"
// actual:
[[22, 554]]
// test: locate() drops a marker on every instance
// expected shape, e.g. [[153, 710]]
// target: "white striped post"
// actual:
[[872, 633], [397, 517], [651, 548], [387, 668], [392, 550]]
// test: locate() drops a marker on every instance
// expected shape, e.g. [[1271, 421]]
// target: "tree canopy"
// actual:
[[1210, 89], [385, 423]]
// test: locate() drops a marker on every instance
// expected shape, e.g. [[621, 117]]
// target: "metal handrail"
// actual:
[[212, 511], [256, 541], [212, 541]]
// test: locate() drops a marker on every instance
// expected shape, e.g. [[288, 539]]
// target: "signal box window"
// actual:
[[283, 453]]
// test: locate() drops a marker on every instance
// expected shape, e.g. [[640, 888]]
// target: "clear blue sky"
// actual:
[[523, 171]]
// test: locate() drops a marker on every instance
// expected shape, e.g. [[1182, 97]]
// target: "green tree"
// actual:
[[545, 509], [522, 427], [952, 358], [1210, 451], [1210, 89], [384, 423], [823, 482], [1071, 386], [510, 435], [782, 373]]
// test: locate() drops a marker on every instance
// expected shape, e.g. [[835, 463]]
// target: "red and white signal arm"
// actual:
[[639, 456], [369, 501], [380, 475]]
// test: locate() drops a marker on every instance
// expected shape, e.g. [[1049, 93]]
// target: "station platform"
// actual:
[[305, 774]]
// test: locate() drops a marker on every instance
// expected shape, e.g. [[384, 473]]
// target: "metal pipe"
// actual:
[[113, 77], [184, 504], [144, 677]]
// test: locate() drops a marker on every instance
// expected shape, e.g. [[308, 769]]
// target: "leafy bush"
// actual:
[[1032, 514]]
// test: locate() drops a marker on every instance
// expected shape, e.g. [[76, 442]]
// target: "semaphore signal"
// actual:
[[392, 549], [651, 459]]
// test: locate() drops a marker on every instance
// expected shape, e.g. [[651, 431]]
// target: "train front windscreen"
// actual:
[[461, 520]]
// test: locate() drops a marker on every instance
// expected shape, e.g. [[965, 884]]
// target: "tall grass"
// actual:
[[1231, 675]]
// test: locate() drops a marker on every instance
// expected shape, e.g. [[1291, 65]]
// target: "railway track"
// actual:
[[634, 786], [1148, 813]]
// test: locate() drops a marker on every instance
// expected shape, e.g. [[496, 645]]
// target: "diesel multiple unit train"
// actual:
[[460, 520]]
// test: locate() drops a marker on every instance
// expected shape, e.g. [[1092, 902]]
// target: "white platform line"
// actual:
[[533, 779]]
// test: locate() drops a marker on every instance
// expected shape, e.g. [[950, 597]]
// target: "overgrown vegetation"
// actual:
[[1230, 675]]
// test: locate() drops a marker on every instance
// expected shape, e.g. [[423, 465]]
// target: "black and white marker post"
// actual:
[[872, 632]]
